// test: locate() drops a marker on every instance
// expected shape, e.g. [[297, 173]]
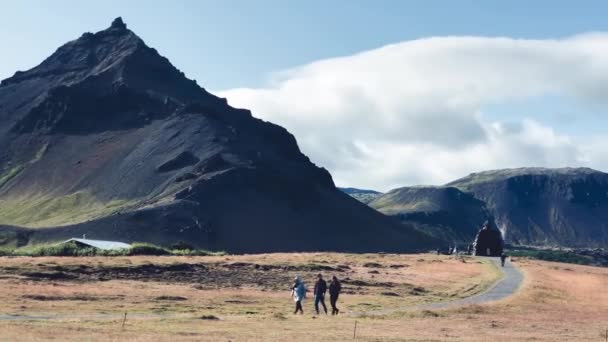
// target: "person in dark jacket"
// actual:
[[334, 291], [503, 258], [320, 289]]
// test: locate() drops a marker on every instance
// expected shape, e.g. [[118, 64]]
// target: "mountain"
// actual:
[[107, 138], [363, 196], [565, 207], [442, 211], [538, 206]]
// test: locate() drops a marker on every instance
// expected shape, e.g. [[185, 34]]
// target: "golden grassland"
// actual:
[[557, 302]]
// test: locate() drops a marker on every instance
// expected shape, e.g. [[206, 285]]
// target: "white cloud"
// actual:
[[412, 112]]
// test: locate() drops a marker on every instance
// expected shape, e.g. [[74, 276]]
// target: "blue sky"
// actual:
[[231, 43], [382, 93]]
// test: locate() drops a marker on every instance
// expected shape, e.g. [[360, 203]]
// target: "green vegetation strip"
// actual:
[[47, 210], [551, 255], [10, 174], [71, 249]]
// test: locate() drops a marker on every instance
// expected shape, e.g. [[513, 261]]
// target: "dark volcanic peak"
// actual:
[[118, 24], [108, 59], [129, 82], [93, 53], [107, 138]]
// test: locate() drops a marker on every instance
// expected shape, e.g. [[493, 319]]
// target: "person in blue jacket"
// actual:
[[298, 292]]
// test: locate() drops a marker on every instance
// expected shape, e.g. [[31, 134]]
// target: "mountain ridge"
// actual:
[[107, 138], [362, 195], [539, 206], [531, 206], [443, 211]]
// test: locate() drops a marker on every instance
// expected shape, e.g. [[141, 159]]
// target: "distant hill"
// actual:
[[444, 212], [538, 206], [107, 138], [364, 196], [532, 206]]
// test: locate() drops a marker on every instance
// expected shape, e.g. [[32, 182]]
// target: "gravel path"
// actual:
[[503, 288]]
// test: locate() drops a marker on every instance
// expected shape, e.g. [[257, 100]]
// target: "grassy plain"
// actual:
[[246, 298]]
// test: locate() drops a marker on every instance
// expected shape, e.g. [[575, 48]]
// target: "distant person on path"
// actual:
[[298, 292], [503, 258], [320, 289], [334, 291]]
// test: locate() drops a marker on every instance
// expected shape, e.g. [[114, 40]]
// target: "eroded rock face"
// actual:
[[488, 242], [537, 206]]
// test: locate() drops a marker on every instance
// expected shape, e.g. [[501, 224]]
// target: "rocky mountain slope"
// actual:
[[537, 206], [107, 138], [442, 211], [362, 195], [531, 206]]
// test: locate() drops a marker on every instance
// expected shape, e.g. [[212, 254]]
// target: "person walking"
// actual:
[[320, 290], [298, 292], [334, 291], [503, 258]]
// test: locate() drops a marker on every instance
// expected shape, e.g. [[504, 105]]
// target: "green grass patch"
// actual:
[[74, 250], [46, 210], [13, 172], [147, 249], [60, 249], [196, 252], [10, 174], [393, 205], [552, 255]]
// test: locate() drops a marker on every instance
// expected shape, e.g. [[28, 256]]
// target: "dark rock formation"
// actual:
[[106, 138], [118, 24], [489, 241], [181, 161]]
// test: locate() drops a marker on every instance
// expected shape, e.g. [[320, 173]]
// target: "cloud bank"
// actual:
[[416, 112]]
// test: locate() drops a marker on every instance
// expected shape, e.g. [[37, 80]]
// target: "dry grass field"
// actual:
[[246, 298]]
